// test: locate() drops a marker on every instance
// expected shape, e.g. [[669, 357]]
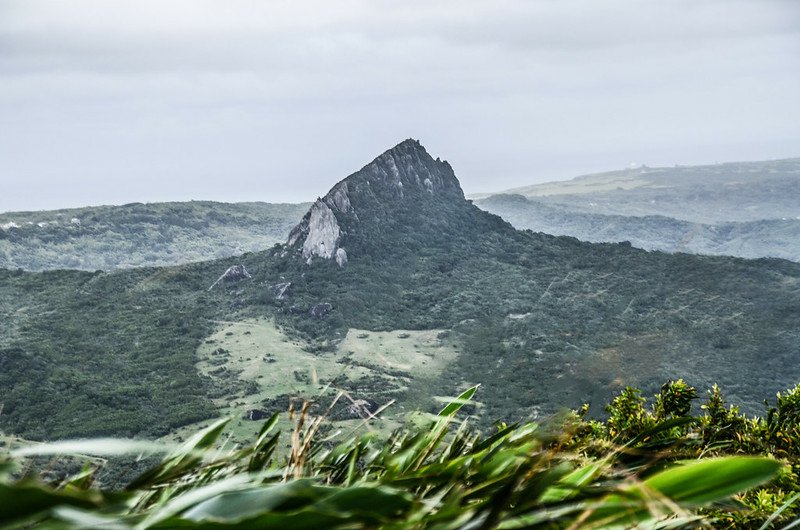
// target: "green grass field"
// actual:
[[255, 366]]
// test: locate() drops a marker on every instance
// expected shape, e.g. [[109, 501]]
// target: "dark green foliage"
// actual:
[[783, 422], [94, 354], [442, 475], [593, 317], [674, 400], [718, 430], [627, 417]]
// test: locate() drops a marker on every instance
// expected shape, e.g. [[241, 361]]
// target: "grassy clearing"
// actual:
[[254, 366]]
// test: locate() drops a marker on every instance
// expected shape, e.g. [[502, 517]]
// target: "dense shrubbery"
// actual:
[[656, 467], [86, 354], [668, 426], [592, 313]]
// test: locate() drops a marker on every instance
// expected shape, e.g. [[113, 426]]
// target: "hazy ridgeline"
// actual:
[[747, 209], [137, 235]]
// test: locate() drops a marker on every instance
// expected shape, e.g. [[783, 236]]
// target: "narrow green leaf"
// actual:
[[194, 497], [28, 499], [235, 506], [491, 440], [549, 515], [570, 485], [372, 502], [77, 518], [266, 428], [663, 426], [204, 439], [455, 405], [688, 485], [712, 480], [184, 458]]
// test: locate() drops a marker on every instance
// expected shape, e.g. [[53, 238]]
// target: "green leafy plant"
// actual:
[[442, 474]]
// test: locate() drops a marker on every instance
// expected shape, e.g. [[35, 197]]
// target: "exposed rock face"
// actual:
[[323, 232], [338, 196], [341, 257], [405, 173], [280, 290], [408, 168], [234, 274]]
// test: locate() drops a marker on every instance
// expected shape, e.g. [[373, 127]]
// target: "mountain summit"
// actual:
[[404, 178]]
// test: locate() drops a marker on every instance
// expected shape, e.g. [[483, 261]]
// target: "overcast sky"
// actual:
[[108, 102]]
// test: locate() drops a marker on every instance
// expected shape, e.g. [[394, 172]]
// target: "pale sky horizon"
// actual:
[[120, 101]]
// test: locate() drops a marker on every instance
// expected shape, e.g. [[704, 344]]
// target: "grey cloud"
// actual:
[[117, 101]]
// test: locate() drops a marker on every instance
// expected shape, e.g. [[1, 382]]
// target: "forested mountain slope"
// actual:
[[540, 320]]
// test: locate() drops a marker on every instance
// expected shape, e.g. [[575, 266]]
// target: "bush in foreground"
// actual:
[[635, 470]]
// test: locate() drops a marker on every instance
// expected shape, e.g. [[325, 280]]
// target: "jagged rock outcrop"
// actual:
[[281, 290], [233, 274], [323, 232], [405, 174], [338, 196], [341, 257]]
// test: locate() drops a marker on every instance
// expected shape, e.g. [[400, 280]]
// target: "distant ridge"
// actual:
[[745, 209], [649, 177], [138, 235]]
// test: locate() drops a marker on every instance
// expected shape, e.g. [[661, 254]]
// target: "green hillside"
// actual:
[[137, 235], [541, 321]]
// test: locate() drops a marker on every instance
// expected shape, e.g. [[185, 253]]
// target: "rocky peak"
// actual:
[[408, 168], [235, 273], [405, 173]]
